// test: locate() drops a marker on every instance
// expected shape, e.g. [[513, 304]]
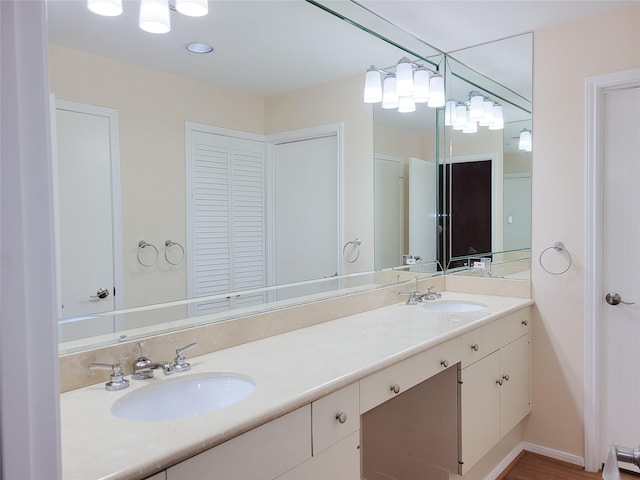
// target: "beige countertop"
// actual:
[[289, 370]]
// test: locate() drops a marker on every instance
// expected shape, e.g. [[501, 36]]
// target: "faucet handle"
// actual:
[[118, 382], [180, 364]]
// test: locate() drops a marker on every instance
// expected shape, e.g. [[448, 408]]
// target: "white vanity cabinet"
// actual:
[[262, 453], [335, 426], [495, 390]]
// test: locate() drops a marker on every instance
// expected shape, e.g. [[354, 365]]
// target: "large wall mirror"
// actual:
[[143, 127], [485, 178]]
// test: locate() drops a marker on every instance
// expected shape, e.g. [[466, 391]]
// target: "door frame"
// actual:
[[116, 205], [596, 87]]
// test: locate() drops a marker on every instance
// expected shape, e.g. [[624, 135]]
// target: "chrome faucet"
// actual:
[[143, 367], [430, 295]]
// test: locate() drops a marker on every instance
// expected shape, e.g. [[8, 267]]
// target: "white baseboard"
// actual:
[[531, 447], [550, 452]]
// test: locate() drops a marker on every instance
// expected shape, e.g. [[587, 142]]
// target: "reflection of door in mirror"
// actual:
[[86, 167], [468, 227], [422, 209], [517, 211], [306, 214], [389, 211]]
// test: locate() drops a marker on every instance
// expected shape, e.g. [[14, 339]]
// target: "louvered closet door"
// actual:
[[227, 220]]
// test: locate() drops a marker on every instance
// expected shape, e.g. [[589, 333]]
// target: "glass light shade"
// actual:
[[450, 113], [421, 90], [372, 86], [404, 78], [470, 127], [461, 117], [107, 8], [436, 96], [193, 8], [525, 140], [154, 16], [487, 117], [406, 104], [498, 118], [389, 94], [476, 108]]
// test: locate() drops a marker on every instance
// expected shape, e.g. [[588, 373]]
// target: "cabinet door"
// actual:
[[516, 387], [480, 409], [334, 417], [341, 461], [262, 453]]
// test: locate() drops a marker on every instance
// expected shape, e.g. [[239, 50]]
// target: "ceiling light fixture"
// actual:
[[154, 15], [409, 83]]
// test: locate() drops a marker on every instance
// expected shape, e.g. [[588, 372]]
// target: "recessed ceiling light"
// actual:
[[197, 47]]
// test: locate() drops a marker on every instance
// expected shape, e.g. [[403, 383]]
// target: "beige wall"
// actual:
[[564, 56]]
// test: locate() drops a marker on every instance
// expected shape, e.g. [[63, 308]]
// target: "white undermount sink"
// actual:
[[454, 306], [183, 397]]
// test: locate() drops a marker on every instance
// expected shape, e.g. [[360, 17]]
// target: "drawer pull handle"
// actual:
[[444, 363], [525, 323], [506, 377], [499, 381], [475, 347], [341, 417], [395, 388]]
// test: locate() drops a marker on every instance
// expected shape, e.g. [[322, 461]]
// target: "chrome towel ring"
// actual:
[[356, 245], [560, 248], [171, 245], [141, 246]]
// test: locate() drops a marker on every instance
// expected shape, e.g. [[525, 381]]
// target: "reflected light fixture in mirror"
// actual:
[[478, 111], [411, 83], [155, 15], [525, 142], [106, 8]]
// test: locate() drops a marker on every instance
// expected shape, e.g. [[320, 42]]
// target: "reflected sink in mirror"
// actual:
[[455, 306], [188, 396]]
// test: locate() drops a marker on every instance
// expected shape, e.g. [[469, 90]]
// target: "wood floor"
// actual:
[[531, 466]]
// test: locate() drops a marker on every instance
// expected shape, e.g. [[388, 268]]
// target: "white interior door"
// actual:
[[423, 215], [517, 211], [621, 273], [306, 211], [389, 212], [86, 212]]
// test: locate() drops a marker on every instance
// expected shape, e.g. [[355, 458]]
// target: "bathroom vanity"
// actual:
[[380, 394]]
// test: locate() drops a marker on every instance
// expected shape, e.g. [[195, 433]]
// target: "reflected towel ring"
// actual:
[[141, 246], [356, 243], [558, 247], [169, 244]]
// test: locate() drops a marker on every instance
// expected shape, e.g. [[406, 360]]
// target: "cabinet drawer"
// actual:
[[262, 453], [505, 330], [386, 384], [334, 417], [471, 347]]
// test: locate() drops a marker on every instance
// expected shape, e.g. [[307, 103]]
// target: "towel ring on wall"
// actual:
[[356, 244], [170, 244], [141, 246], [558, 247]]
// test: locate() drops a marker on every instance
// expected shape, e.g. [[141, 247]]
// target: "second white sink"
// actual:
[[183, 397], [454, 306]]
